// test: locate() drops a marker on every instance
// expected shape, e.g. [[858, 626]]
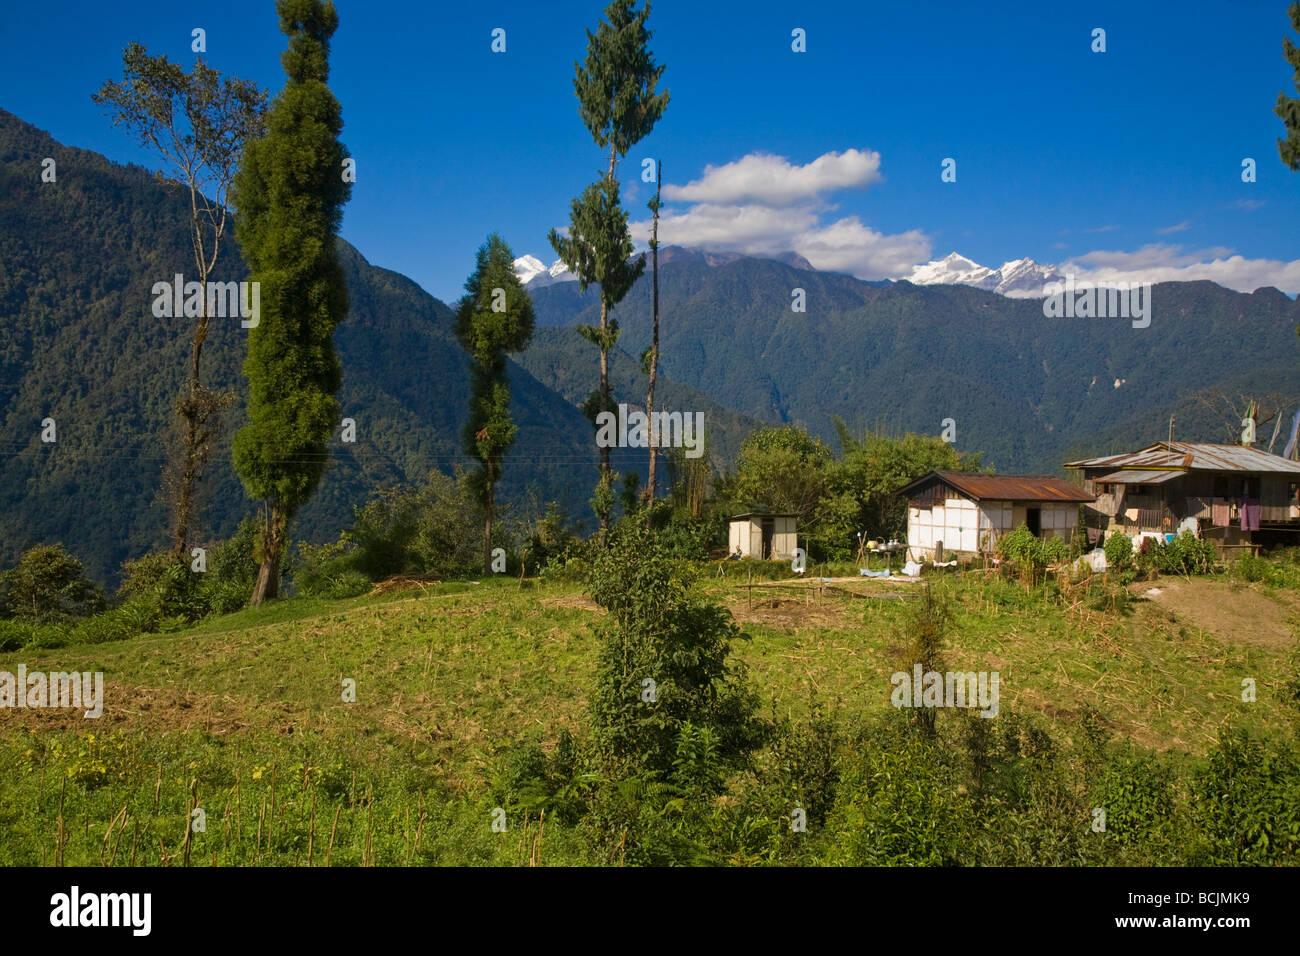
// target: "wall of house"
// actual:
[[740, 535], [970, 529], [748, 536], [784, 539]]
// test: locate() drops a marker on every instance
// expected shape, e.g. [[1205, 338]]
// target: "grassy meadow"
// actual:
[[242, 717]]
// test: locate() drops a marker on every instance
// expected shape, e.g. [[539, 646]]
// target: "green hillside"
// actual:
[[79, 344], [1022, 388], [237, 717]]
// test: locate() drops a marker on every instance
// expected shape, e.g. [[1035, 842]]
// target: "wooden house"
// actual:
[[1228, 492], [964, 513]]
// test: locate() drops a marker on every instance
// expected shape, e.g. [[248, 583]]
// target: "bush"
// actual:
[[1186, 554], [1247, 803], [48, 584], [433, 530], [1119, 552], [1023, 553], [1253, 568], [659, 630]]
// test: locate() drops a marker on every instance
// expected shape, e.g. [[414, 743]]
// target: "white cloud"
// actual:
[[1177, 227], [775, 181], [763, 205], [1168, 263], [849, 246]]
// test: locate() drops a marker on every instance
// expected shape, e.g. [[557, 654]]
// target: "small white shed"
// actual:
[[762, 535], [966, 512]]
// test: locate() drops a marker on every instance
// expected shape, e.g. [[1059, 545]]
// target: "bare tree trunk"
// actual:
[[606, 477], [606, 474], [274, 524], [195, 410], [654, 354], [487, 531]]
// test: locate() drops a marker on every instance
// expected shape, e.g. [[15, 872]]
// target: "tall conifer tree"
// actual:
[[618, 103], [288, 197], [1288, 107], [495, 316]]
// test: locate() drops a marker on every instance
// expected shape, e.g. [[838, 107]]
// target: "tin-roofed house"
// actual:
[[1225, 492], [964, 513]]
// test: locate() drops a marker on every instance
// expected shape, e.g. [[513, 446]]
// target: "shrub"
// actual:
[[658, 629], [48, 584], [1247, 803], [1186, 554], [1119, 552], [1252, 568]]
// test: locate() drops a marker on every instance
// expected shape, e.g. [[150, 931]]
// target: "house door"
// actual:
[[1034, 519], [769, 530]]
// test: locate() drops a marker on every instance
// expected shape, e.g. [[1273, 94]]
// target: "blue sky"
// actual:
[[1126, 162]]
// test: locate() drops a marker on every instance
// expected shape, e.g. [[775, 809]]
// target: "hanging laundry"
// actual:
[[1295, 428], [1252, 510], [1219, 513]]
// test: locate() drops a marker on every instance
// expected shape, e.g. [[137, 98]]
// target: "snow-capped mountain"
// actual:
[[533, 272], [1017, 278]]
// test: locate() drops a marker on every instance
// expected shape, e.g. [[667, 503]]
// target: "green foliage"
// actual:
[[427, 530], [1023, 554], [1246, 803], [896, 807], [48, 584], [1119, 552], [873, 468], [1288, 107], [781, 469], [616, 86], [1137, 793], [174, 590], [494, 317], [289, 194], [659, 629], [1186, 554]]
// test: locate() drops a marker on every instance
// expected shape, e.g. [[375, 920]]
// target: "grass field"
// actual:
[[243, 717]]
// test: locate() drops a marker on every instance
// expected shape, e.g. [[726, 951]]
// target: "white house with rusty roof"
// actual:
[[964, 513]]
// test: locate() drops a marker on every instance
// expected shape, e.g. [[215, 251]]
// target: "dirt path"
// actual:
[[1232, 612]]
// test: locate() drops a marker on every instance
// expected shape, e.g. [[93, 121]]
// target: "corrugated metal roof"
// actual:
[[1129, 477], [1194, 456], [1005, 487]]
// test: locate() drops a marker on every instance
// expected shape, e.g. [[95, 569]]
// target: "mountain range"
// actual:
[[1018, 277], [79, 344]]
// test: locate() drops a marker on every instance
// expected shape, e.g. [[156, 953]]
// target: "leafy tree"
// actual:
[[782, 469], [289, 195], [494, 317], [660, 630], [618, 103], [598, 249], [875, 467], [198, 123], [48, 584]]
